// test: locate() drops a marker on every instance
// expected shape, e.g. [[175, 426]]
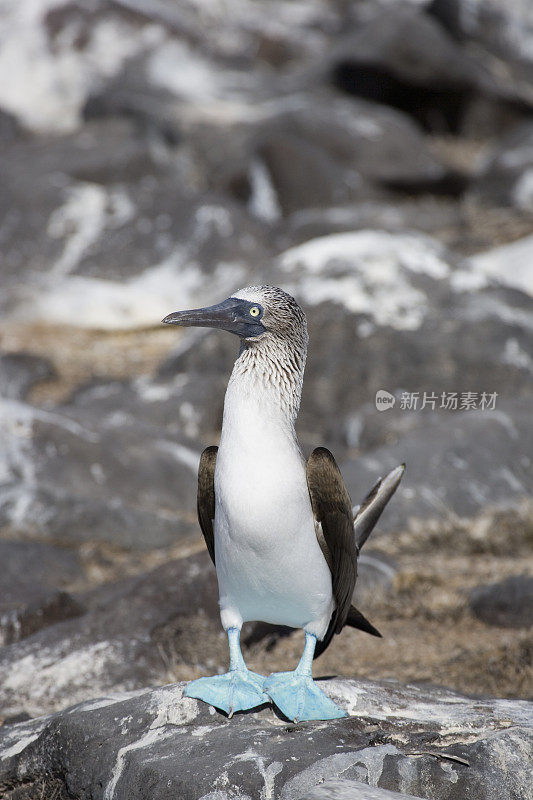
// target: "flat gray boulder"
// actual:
[[507, 603], [155, 743], [341, 789]]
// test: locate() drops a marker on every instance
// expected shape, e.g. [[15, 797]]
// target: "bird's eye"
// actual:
[[255, 311]]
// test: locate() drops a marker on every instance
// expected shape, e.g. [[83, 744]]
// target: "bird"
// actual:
[[280, 530]]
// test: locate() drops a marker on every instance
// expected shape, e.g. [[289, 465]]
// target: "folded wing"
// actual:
[[205, 501], [341, 536]]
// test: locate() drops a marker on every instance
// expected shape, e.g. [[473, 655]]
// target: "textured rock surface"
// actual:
[[342, 789], [74, 476], [419, 741], [509, 265], [131, 633], [113, 232], [457, 464], [20, 371], [508, 603], [502, 32], [31, 581], [410, 55], [180, 146], [506, 177]]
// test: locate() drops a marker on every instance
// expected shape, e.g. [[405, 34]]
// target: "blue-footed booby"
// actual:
[[281, 532]]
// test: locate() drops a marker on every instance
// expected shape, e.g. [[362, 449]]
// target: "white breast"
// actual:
[[269, 564]]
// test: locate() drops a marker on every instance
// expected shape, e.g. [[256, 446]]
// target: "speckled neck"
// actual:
[[272, 370]]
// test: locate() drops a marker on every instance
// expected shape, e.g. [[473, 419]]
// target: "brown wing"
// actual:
[[206, 497], [332, 508]]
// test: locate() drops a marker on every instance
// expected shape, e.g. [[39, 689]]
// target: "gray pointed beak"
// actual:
[[231, 315], [221, 315]]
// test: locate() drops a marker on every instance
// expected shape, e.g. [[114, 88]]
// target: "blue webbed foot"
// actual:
[[299, 698], [237, 690]]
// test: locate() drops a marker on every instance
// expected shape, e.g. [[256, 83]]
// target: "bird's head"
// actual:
[[254, 313]]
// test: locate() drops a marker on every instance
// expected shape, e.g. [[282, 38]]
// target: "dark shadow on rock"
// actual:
[[436, 109]]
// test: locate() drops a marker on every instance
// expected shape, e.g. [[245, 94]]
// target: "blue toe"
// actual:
[[237, 690], [299, 698]]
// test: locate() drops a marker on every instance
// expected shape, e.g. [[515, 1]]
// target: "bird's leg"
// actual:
[[238, 690], [297, 695]]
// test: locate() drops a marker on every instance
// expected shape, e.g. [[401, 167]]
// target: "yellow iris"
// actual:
[[254, 311]]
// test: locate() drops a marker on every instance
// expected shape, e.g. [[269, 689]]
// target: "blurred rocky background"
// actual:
[[375, 159]]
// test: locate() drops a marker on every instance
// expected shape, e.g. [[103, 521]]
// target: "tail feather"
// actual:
[[357, 620], [367, 514]]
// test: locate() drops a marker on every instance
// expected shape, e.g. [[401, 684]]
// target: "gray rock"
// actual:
[[501, 32], [153, 743], [24, 614], [183, 403], [402, 306], [508, 603], [510, 265], [37, 563], [73, 475], [456, 464], [132, 633], [59, 103], [9, 128], [324, 151], [328, 145], [304, 174], [293, 150], [430, 215], [506, 175], [403, 58], [341, 789], [19, 372], [160, 39], [31, 588], [173, 188], [417, 62], [105, 233]]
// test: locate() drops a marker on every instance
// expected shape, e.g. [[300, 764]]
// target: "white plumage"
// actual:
[[270, 566]]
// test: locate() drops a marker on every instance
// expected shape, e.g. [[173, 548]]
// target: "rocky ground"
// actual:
[[435, 743], [374, 159]]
